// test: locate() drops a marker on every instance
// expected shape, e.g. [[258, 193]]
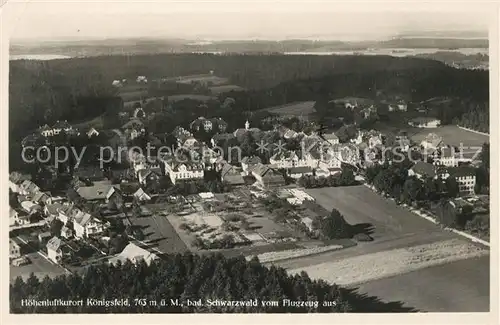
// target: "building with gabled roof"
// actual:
[[54, 251], [267, 176], [230, 175], [135, 254]]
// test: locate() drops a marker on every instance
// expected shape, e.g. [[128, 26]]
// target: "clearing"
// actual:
[[384, 264], [452, 135], [297, 109], [363, 208]]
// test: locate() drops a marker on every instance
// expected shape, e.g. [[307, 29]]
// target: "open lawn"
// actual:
[[303, 109], [40, 266], [213, 80], [451, 135], [362, 207], [160, 233], [133, 95], [226, 88], [461, 286]]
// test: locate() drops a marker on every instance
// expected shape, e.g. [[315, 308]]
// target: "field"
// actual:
[[461, 286], [40, 266], [213, 80], [135, 95], [222, 89], [363, 268], [408, 253], [293, 110], [159, 232], [203, 98], [451, 135], [361, 206]]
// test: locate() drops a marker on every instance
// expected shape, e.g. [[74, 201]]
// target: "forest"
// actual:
[[193, 277]]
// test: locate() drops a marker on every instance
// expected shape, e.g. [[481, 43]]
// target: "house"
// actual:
[[54, 251], [133, 128], [41, 198], [445, 157], [89, 174], [116, 83], [284, 159], [375, 140], [248, 162], [149, 176], [15, 180], [44, 236], [424, 122], [85, 225], [331, 138], [432, 142], [135, 254], [220, 138], [184, 170], [115, 196], [31, 207], [239, 133], [297, 172], [27, 187], [465, 177], [141, 195], [92, 133], [18, 218], [229, 174], [98, 191], [60, 126], [308, 222], [15, 248], [201, 123], [422, 170], [141, 79], [267, 176], [66, 232]]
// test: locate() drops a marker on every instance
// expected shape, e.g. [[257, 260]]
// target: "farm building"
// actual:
[[425, 122]]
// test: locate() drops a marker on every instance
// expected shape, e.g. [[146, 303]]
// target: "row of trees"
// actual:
[[345, 178], [188, 276], [392, 180]]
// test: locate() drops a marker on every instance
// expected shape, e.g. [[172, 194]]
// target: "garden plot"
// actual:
[[384, 264]]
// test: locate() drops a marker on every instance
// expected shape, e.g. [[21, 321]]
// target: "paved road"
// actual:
[[461, 286]]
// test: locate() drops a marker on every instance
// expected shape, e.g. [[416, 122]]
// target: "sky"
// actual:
[[236, 20]]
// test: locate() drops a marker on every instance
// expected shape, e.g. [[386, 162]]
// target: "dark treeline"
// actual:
[[46, 91], [191, 277]]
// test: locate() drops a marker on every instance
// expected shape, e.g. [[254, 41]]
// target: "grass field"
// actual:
[[451, 135], [303, 109], [360, 205], [461, 286], [225, 88], [363, 268], [38, 266], [133, 95]]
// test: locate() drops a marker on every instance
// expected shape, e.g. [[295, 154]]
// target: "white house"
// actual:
[[432, 142], [184, 171], [465, 177], [445, 157], [142, 79], [54, 251], [84, 225], [425, 122], [284, 159], [135, 254], [92, 133]]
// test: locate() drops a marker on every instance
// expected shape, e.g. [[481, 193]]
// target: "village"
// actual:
[[201, 200]]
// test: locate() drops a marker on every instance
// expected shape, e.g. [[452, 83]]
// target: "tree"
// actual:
[[55, 227], [334, 226], [452, 187], [346, 133], [412, 190], [347, 177]]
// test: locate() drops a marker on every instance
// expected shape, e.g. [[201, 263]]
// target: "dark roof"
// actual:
[[253, 160], [424, 168], [92, 173], [17, 177], [300, 170], [234, 179], [461, 171], [223, 136]]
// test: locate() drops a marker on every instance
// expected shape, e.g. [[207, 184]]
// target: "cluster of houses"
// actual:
[[45, 132]]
